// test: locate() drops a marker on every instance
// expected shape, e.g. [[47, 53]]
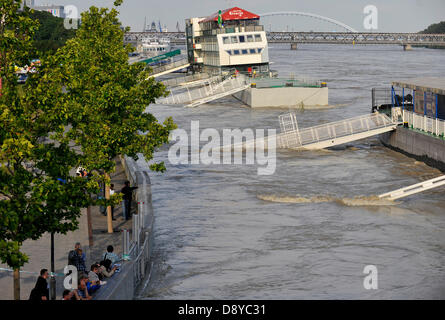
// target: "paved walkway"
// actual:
[[39, 251]]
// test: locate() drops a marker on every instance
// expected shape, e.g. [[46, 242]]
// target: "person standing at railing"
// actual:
[[126, 203]]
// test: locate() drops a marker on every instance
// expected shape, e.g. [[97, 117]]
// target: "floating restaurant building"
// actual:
[[228, 40]]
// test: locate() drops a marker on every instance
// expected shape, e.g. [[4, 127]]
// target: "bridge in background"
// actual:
[[403, 39]]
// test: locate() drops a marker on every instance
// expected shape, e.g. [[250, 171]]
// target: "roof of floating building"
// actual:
[[234, 13], [435, 85]]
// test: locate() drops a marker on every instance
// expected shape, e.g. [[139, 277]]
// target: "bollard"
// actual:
[[125, 241]]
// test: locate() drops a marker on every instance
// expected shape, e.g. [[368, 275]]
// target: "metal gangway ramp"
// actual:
[[413, 189], [211, 90], [331, 134], [168, 68]]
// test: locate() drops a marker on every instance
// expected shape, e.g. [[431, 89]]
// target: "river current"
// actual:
[[308, 230]]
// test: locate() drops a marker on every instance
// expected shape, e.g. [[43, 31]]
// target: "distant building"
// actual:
[[55, 10], [228, 40]]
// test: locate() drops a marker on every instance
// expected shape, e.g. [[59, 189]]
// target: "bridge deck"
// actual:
[[321, 37]]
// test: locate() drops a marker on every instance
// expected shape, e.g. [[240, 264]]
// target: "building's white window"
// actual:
[[252, 51], [235, 51], [226, 40], [244, 51], [257, 38], [250, 38], [234, 39]]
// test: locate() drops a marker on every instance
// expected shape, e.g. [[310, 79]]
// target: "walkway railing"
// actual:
[[174, 82], [353, 127], [138, 247], [302, 82], [170, 66], [413, 189], [208, 89], [424, 123]]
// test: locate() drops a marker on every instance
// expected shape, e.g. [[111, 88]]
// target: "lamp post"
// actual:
[[52, 281]]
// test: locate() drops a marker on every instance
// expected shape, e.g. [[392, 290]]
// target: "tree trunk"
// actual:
[[90, 227], [107, 196], [16, 284]]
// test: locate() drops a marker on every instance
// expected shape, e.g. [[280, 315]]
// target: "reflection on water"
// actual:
[[308, 231]]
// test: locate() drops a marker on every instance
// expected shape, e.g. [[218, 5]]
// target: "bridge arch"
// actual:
[[310, 15]]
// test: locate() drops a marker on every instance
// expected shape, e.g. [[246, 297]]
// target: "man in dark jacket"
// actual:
[[41, 291], [127, 196], [77, 258]]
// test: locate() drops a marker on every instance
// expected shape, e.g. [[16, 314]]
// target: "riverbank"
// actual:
[[38, 251]]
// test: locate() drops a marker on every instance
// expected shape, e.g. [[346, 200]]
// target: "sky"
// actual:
[[393, 15]]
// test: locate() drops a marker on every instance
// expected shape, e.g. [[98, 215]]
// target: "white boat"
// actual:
[[151, 46]]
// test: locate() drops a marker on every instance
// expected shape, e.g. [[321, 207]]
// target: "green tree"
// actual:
[[51, 34], [106, 97], [435, 28], [37, 192]]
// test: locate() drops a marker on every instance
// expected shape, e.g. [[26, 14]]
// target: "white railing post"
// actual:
[[134, 229], [125, 244], [190, 96]]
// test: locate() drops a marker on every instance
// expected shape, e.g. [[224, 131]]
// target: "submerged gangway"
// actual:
[[325, 135], [188, 80], [211, 90], [168, 68], [331, 134], [413, 189]]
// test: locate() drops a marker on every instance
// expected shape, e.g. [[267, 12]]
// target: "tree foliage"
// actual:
[[51, 33], [106, 98], [435, 28], [37, 192], [84, 105]]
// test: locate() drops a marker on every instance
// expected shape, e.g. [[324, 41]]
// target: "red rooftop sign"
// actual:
[[234, 13]]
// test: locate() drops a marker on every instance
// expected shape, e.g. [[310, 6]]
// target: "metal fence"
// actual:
[[424, 123], [391, 97], [280, 82], [137, 247]]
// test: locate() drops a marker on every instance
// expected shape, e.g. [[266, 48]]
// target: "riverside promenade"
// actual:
[[39, 251]]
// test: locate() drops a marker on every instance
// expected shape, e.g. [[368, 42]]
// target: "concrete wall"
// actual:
[[120, 286], [423, 147], [283, 97]]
